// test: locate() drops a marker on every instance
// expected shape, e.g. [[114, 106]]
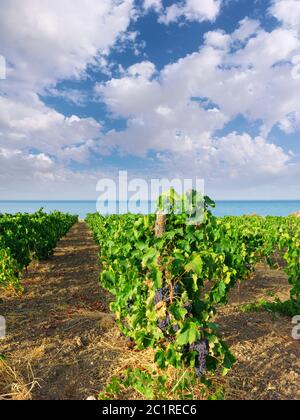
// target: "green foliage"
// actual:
[[287, 308], [152, 386], [24, 237], [277, 238], [9, 270], [192, 269]]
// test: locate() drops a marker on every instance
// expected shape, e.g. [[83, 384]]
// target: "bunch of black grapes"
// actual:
[[163, 295], [164, 324], [201, 347]]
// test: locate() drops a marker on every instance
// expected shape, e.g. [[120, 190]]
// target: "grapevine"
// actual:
[[24, 237], [167, 289]]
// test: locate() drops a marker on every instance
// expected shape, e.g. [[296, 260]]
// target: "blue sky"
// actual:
[[161, 88]]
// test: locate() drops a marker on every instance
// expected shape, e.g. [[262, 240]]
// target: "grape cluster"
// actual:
[[189, 309], [163, 324], [202, 348], [163, 295]]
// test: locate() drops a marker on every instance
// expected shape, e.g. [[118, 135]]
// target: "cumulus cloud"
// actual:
[[51, 40], [237, 165], [19, 169], [177, 111], [45, 42], [13, 161], [145, 69], [217, 39], [31, 124], [26, 176], [287, 12], [153, 4], [175, 115], [190, 99], [191, 10], [232, 157]]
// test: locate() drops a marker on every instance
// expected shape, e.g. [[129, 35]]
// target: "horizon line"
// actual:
[[150, 201]]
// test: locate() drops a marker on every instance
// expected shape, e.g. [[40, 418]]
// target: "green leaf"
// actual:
[[177, 311], [196, 265], [189, 334]]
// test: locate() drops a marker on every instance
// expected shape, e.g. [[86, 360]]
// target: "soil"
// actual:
[[60, 329], [268, 358], [62, 341]]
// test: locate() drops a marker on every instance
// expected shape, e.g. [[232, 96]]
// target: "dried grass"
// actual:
[[13, 385], [143, 360]]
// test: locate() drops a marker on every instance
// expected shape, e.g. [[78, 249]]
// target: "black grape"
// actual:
[[163, 324], [161, 295], [189, 308], [176, 290], [202, 348], [158, 296], [176, 328]]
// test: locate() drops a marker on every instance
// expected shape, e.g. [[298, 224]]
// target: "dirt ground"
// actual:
[[60, 334], [268, 358], [62, 342]]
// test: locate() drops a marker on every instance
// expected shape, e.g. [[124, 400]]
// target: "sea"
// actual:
[[82, 208]]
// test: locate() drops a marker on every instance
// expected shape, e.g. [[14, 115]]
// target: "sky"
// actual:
[[160, 88]]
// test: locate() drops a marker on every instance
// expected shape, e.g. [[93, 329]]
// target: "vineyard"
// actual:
[[26, 237], [168, 284], [168, 289]]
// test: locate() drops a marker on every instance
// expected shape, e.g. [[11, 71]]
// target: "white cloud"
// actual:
[[247, 28], [51, 40], [21, 169], [173, 113], [153, 4], [177, 111], [237, 166], [144, 69], [254, 80], [217, 39], [45, 42], [231, 157], [192, 10], [287, 12], [291, 122], [31, 124], [14, 161], [26, 176]]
